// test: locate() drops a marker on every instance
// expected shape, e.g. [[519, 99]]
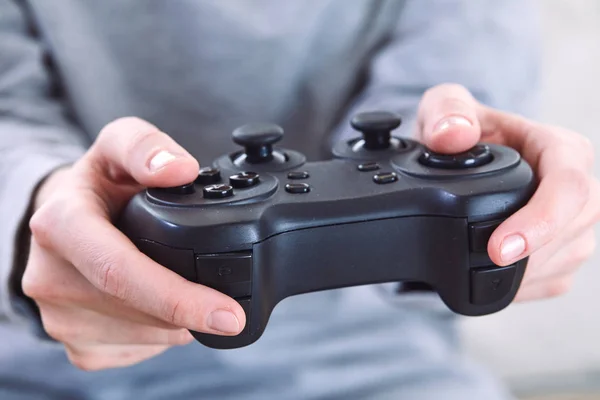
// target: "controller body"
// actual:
[[263, 229]]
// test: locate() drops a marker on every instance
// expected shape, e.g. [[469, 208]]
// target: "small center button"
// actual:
[[244, 180], [298, 175], [219, 191], [385, 177], [208, 175], [297, 188], [370, 166]]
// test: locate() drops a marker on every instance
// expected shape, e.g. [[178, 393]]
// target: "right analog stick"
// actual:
[[477, 156]]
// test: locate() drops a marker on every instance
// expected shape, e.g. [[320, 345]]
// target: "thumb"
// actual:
[[133, 148], [447, 119]]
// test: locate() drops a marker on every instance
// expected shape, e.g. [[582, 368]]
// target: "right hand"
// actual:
[[109, 304]]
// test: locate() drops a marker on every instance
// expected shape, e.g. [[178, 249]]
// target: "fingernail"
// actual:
[[450, 122], [223, 321], [512, 247], [161, 159]]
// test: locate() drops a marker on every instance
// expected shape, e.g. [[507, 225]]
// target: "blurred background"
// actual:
[[551, 349]]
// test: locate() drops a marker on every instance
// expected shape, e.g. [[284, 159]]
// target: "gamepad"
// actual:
[[262, 224]]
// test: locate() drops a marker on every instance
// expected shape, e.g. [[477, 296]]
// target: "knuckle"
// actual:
[[108, 275], [577, 143], [142, 138], [590, 157], [451, 95], [180, 313], [451, 87], [558, 288], [586, 144], [174, 313], [180, 337], [579, 181], [114, 127], [30, 284], [583, 147], [39, 283], [544, 227], [131, 133], [56, 332], [454, 104], [38, 289], [586, 149], [56, 215], [82, 361], [585, 250], [55, 328], [42, 222]]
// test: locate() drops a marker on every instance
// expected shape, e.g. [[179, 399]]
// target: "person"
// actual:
[[101, 99]]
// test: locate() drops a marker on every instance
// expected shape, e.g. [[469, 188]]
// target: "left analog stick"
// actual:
[[258, 140], [376, 128]]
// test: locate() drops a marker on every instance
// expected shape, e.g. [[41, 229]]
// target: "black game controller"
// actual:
[[262, 224]]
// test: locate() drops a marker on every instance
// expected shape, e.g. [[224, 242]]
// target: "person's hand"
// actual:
[[108, 303], [556, 227]]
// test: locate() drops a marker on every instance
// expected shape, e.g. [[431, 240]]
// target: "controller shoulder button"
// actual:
[[228, 273], [490, 284], [479, 234], [180, 261]]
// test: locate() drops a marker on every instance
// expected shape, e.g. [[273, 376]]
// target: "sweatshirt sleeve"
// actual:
[[491, 47], [36, 137]]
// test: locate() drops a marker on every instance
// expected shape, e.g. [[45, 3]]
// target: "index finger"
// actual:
[[561, 165], [114, 265]]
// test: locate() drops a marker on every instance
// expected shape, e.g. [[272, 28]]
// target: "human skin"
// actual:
[[111, 306]]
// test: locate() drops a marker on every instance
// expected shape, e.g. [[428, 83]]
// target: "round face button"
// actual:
[[208, 175], [244, 180], [218, 191], [296, 188], [183, 189], [475, 157], [370, 166], [298, 175], [385, 177]]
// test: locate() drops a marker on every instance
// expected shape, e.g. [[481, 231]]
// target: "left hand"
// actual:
[[556, 227]]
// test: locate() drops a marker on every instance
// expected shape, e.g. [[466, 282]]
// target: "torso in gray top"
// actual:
[[198, 69]]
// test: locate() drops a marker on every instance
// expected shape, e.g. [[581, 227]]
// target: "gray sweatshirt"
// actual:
[[198, 69]]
